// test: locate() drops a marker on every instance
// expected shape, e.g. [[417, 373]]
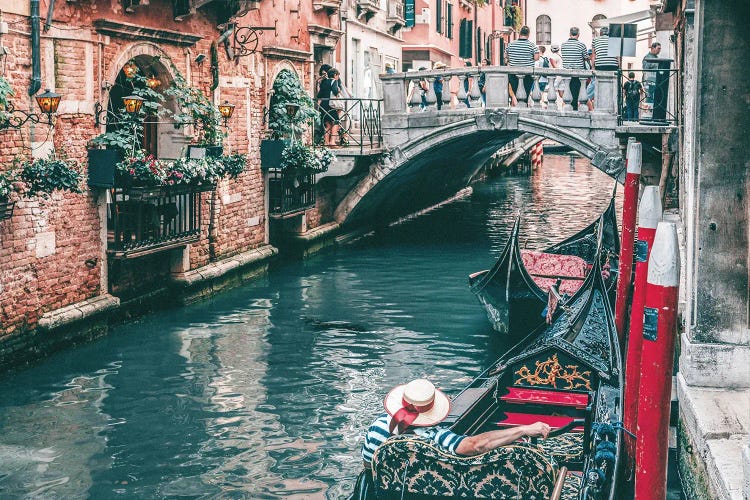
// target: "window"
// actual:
[[465, 39], [449, 21], [543, 30], [439, 16], [479, 45]]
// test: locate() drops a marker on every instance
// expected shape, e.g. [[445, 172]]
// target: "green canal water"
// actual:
[[264, 391]]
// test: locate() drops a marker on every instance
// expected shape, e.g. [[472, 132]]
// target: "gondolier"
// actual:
[[418, 407]]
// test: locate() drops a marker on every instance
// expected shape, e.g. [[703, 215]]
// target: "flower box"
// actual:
[[270, 152], [203, 151], [102, 163], [6, 209]]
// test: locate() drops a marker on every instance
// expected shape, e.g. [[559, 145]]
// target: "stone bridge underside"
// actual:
[[432, 156]]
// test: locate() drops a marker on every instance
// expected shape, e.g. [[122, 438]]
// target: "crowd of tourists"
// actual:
[[571, 54]]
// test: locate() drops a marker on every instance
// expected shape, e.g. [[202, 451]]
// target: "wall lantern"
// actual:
[[226, 111], [130, 69], [48, 103], [153, 82], [132, 104]]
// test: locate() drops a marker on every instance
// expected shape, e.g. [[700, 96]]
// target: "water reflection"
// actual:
[[264, 391]]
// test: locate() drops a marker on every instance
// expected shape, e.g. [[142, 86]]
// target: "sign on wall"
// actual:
[[622, 40]]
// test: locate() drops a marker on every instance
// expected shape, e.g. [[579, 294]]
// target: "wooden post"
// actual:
[[629, 204], [657, 359], [649, 215]]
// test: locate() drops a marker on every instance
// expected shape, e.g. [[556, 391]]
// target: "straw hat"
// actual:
[[417, 404], [439, 65], [554, 47]]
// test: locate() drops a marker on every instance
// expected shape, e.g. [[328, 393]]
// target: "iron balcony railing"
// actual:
[[146, 220], [359, 123], [290, 192], [656, 104]]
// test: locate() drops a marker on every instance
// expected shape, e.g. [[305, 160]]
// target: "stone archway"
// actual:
[[161, 137], [478, 136]]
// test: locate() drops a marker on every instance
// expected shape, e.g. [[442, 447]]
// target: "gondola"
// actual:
[[516, 291], [568, 374]]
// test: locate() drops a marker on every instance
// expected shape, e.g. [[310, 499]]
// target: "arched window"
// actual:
[[543, 30]]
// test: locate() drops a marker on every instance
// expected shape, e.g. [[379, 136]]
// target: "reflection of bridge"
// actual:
[[432, 153]]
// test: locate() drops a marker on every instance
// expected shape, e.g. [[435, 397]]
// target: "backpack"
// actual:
[[633, 91], [545, 62]]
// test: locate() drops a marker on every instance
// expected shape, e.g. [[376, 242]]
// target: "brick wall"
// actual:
[[51, 253]]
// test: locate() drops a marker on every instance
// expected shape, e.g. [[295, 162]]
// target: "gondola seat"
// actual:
[[565, 449], [517, 471], [553, 265]]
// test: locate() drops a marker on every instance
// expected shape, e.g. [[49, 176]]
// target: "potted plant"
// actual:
[[289, 113], [298, 159], [232, 165], [196, 109], [43, 176], [7, 187]]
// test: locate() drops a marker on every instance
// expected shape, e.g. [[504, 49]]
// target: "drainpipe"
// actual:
[[36, 69]]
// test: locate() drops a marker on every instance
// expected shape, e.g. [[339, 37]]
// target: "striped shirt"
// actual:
[[521, 52], [601, 47], [378, 433], [573, 54]]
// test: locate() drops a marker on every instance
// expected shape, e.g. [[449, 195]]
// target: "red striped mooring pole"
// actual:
[[629, 210], [537, 155], [649, 215], [657, 359]]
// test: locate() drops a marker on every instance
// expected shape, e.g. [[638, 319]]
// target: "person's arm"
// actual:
[[487, 441], [593, 56]]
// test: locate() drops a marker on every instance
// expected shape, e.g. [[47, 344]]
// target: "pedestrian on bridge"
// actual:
[[574, 56], [524, 53]]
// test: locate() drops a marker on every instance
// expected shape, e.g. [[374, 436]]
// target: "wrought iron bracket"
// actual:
[[11, 117], [245, 38], [103, 116]]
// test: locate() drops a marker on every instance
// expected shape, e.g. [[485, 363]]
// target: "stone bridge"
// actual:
[[430, 153]]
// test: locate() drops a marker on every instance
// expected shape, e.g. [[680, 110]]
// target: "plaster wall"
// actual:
[[567, 13]]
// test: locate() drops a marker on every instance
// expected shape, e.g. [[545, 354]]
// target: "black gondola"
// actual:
[[567, 374], [515, 292]]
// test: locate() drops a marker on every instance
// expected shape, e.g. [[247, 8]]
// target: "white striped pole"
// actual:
[[649, 215], [657, 359]]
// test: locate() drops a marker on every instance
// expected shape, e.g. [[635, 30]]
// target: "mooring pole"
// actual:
[[629, 210], [657, 359], [649, 215]]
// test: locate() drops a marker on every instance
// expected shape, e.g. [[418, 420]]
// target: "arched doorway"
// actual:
[[158, 136]]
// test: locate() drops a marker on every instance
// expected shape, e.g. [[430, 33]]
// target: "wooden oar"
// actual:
[[559, 483]]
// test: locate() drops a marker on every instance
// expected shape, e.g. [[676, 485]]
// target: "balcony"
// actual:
[[142, 221], [289, 194], [330, 6], [395, 18], [367, 8]]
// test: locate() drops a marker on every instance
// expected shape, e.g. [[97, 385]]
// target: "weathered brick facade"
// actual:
[[53, 251]]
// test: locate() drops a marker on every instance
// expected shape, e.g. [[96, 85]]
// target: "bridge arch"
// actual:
[[436, 162]]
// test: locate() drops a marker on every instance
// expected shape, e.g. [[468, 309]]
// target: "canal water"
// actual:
[[264, 391]]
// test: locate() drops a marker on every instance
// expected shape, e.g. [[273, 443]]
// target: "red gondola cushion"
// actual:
[[516, 419], [537, 396], [553, 265]]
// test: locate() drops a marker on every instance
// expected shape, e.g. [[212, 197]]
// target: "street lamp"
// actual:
[[291, 109], [132, 104], [48, 103], [226, 111]]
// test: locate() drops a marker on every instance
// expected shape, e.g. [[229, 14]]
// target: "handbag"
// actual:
[[339, 104]]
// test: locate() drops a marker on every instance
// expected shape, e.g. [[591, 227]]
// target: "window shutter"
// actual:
[[439, 16]]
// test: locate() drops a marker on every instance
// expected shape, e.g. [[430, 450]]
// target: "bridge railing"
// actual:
[[359, 123], [405, 92]]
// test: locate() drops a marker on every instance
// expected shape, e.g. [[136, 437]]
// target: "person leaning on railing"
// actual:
[[521, 52], [650, 68]]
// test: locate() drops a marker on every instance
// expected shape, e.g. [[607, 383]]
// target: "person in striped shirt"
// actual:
[[574, 56], [418, 407], [522, 52], [600, 59]]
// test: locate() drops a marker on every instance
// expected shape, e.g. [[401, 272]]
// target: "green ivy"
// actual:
[[301, 159], [45, 175], [8, 181], [288, 89], [197, 109], [5, 92]]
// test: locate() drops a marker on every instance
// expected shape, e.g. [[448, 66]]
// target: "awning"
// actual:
[[625, 19]]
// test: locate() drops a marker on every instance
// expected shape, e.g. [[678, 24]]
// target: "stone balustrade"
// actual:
[[402, 93]]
